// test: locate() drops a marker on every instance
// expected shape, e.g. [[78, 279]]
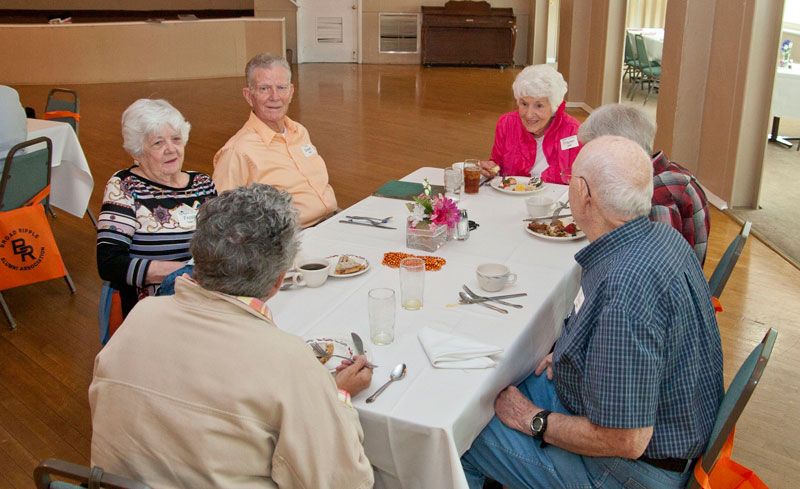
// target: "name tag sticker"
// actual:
[[186, 217], [569, 142], [309, 150]]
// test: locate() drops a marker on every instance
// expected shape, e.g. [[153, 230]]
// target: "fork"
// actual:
[[476, 296], [373, 219], [322, 353], [466, 298]]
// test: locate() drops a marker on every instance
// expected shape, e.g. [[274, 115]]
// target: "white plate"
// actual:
[[497, 184], [565, 220], [333, 259], [341, 346]]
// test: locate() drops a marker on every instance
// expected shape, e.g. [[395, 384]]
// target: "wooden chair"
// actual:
[[26, 178], [728, 261], [93, 478], [739, 392]]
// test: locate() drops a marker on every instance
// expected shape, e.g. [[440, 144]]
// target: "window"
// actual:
[[398, 33]]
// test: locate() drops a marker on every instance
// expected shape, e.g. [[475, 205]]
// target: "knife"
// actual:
[[473, 295], [366, 224], [465, 298], [554, 217], [360, 348]]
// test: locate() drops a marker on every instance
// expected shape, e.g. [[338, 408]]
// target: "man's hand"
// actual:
[[353, 377], [515, 410], [545, 364]]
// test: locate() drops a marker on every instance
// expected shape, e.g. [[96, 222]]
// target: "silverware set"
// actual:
[[375, 222], [321, 353], [472, 298]]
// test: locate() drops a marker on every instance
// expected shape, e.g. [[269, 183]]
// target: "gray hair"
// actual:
[[265, 60], [540, 81], [620, 120], [620, 174], [149, 116], [245, 239]]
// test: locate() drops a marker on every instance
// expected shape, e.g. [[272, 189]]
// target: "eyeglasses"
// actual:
[[567, 178]]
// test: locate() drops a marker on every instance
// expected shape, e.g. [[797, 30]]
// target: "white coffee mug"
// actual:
[[313, 272], [492, 277]]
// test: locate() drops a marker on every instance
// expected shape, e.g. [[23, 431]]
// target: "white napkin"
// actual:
[[447, 350]]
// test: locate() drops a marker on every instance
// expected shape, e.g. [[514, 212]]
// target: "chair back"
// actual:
[[739, 392], [641, 53], [629, 55], [25, 174], [728, 261], [91, 478], [63, 99]]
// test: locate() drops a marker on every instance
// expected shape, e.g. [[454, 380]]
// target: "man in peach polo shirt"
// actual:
[[273, 149]]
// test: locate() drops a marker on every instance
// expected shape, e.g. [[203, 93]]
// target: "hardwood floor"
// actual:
[[371, 123]]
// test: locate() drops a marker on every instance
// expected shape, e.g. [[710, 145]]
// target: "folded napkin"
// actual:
[[447, 350]]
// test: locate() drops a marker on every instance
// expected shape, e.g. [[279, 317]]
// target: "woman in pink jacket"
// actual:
[[540, 138]]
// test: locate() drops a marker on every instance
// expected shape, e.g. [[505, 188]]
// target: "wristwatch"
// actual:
[[539, 426]]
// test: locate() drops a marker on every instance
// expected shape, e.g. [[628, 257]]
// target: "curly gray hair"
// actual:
[[245, 239], [539, 81], [146, 117], [620, 120], [265, 60]]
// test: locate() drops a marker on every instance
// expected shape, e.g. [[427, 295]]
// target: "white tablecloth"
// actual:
[[786, 93], [418, 428], [71, 181], [653, 42]]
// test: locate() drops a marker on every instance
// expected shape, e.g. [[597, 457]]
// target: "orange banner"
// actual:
[[28, 251]]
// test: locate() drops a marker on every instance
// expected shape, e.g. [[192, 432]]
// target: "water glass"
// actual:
[[412, 282], [381, 307], [453, 182]]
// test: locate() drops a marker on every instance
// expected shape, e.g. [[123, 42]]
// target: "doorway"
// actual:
[[327, 31], [645, 18]]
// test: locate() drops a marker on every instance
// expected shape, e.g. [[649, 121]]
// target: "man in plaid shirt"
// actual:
[[678, 199]]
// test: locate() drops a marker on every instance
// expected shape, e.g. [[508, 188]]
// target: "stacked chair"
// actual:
[[93, 478], [631, 63], [27, 247], [648, 71]]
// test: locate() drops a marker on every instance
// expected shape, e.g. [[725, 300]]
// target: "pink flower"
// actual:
[[445, 212]]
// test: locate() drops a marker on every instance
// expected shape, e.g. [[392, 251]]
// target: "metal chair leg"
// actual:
[[50, 210], [91, 217], [11, 324], [69, 281]]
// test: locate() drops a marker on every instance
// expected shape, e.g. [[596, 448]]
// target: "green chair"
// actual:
[[632, 65], [739, 392], [650, 73], [83, 476], [726, 264], [25, 175]]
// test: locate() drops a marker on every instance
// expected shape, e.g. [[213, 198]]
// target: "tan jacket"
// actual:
[[198, 390], [286, 161]]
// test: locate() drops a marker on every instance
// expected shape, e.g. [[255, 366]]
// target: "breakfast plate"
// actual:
[[340, 346], [519, 188], [566, 221], [351, 265]]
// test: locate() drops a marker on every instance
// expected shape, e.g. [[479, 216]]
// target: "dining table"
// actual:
[[417, 430], [71, 181]]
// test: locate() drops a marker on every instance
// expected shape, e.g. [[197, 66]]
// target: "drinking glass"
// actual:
[[453, 181], [412, 282], [381, 307], [472, 176]]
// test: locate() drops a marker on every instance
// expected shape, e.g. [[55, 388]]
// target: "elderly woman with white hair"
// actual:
[[149, 209], [540, 138]]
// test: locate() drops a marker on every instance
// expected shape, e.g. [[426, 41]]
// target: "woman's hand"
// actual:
[[158, 269], [353, 377], [545, 364], [489, 169]]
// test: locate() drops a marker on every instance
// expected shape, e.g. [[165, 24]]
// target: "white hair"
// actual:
[[621, 175], [539, 81], [265, 61], [620, 120], [149, 116]]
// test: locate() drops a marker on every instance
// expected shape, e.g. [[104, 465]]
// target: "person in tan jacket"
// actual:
[[201, 389]]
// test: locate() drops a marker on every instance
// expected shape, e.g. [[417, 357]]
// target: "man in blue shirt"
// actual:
[[633, 385]]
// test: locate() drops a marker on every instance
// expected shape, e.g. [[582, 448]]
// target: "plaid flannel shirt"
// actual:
[[678, 200]]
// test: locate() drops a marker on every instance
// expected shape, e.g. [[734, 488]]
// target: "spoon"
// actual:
[[398, 372]]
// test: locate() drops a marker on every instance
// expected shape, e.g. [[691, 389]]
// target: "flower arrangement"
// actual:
[[428, 212], [786, 52]]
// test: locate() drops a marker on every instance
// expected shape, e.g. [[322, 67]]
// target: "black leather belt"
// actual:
[[672, 464]]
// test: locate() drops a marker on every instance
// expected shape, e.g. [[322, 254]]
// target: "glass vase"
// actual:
[[421, 237]]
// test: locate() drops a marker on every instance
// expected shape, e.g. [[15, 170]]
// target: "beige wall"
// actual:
[[123, 52], [277, 9], [67, 5]]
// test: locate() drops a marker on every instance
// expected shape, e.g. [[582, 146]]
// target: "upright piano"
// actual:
[[468, 33]]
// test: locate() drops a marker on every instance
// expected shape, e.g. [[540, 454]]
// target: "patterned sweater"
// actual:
[[142, 220]]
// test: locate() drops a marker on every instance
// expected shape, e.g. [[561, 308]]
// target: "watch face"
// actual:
[[536, 424]]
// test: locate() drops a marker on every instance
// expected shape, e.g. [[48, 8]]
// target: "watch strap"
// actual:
[[539, 434]]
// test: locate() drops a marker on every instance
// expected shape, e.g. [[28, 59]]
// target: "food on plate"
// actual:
[[509, 182], [432, 263], [555, 228], [514, 185], [328, 349], [347, 265]]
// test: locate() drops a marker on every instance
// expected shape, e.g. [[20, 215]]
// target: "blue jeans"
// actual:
[[517, 461]]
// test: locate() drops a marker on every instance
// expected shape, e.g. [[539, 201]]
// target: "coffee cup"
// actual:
[[493, 277], [312, 272], [539, 205]]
